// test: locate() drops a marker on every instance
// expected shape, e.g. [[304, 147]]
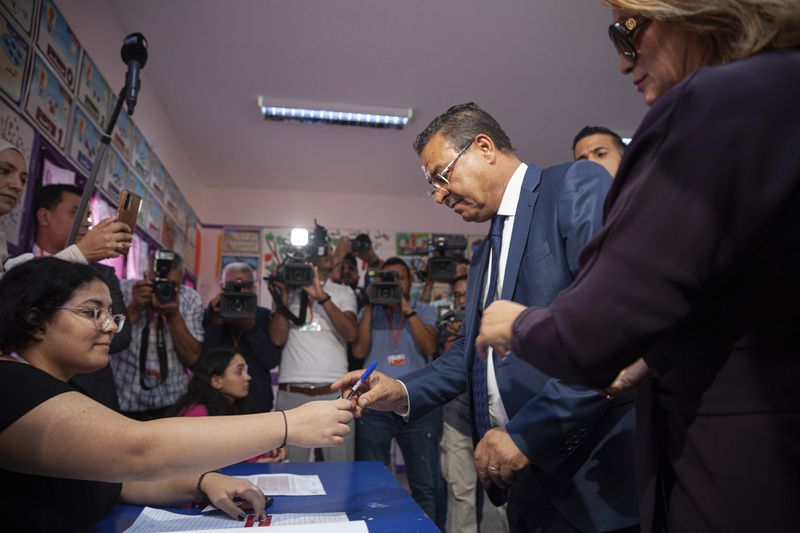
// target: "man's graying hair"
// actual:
[[461, 124]]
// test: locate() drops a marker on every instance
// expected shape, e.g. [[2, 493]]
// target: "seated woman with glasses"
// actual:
[[219, 386], [65, 460]]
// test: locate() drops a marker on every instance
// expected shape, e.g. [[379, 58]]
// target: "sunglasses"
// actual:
[[622, 35]]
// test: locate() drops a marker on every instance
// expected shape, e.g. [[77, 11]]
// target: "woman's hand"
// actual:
[[221, 491], [108, 238], [278, 455], [321, 423]]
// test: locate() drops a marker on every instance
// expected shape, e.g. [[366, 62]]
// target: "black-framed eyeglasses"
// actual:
[[622, 33], [440, 182], [95, 315]]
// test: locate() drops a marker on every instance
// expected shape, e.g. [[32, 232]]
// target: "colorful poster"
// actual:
[[122, 136], [157, 178], [58, 43], [14, 53], [191, 225], [22, 12], [94, 92], [240, 241], [181, 213], [48, 103], [153, 216], [53, 174], [141, 155], [168, 232], [136, 186], [171, 196], [85, 142], [113, 174], [412, 243], [17, 131]]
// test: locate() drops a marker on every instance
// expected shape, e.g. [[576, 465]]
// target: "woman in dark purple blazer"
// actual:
[[697, 266]]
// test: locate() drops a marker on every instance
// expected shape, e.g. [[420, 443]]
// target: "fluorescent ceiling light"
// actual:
[[329, 113]]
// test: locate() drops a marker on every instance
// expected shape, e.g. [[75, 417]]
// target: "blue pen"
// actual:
[[364, 377]]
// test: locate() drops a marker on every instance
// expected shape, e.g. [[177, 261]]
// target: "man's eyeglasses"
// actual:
[[622, 33], [95, 314], [439, 181]]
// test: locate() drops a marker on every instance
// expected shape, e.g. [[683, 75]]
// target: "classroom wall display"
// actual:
[[412, 243], [168, 231], [53, 174], [17, 131], [141, 155], [113, 174], [240, 241], [22, 11], [153, 216], [58, 44], [14, 53], [157, 177], [48, 103], [84, 142], [171, 195], [122, 136], [94, 92]]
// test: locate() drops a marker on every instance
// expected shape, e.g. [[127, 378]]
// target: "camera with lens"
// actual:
[[295, 270], [318, 241], [448, 322], [163, 288], [383, 287], [442, 266], [236, 300], [362, 243]]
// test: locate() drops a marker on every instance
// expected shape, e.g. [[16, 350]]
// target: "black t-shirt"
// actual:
[[38, 503]]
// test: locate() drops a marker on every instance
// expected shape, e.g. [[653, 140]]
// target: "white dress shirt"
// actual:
[[508, 208]]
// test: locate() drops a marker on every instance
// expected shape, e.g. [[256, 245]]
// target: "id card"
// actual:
[[311, 326], [397, 359]]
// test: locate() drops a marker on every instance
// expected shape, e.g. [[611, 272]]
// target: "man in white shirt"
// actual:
[[315, 353], [561, 455]]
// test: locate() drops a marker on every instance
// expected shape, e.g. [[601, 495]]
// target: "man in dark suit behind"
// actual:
[[561, 454]]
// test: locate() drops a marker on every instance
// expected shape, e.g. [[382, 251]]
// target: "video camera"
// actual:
[[234, 302], [448, 322], [295, 270], [163, 288], [442, 266], [383, 287], [362, 243]]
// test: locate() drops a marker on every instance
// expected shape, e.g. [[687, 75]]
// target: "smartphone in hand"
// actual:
[[128, 208]]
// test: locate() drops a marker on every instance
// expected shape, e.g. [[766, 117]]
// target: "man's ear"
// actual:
[[43, 216], [487, 147]]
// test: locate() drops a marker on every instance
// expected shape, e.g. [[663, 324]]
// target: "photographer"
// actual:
[[248, 335], [402, 338], [166, 321], [314, 353]]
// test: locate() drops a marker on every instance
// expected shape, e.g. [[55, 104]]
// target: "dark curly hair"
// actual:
[[31, 293], [212, 362]]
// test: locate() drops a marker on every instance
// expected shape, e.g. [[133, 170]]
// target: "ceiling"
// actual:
[[543, 68]]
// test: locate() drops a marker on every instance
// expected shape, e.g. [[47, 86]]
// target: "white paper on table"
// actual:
[[356, 526], [152, 520], [287, 484]]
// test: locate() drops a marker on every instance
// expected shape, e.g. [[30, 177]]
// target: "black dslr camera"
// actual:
[[163, 288], [362, 243], [383, 287], [448, 322], [234, 302], [442, 266]]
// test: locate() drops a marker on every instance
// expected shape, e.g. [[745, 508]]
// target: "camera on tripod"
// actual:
[[442, 266], [237, 299], [295, 270], [383, 287], [163, 288]]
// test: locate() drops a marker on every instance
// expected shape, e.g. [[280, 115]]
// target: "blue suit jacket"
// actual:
[[580, 444]]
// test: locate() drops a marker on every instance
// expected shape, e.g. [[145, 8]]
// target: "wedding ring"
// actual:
[[494, 468]]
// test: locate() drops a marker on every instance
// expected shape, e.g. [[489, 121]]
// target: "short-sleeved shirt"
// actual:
[[125, 364], [53, 504], [316, 353], [393, 345]]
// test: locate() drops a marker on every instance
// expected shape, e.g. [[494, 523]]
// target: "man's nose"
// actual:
[[440, 195]]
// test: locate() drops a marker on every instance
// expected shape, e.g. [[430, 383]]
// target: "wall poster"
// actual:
[[122, 136], [22, 11], [58, 43], [94, 92], [113, 174], [141, 155], [48, 103], [14, 52], [85, 142]]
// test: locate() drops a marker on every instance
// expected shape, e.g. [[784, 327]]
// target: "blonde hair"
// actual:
[[731, 29]]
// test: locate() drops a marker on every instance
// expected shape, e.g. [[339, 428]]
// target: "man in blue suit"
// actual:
[[560, 454]]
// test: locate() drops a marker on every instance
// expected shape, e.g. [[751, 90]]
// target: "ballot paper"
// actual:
[[287, 484], [158, 520]]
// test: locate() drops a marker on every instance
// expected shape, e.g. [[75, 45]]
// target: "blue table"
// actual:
[[364, 490]]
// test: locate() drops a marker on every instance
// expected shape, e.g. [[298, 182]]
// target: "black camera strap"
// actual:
[[161, 348], [282, 309]]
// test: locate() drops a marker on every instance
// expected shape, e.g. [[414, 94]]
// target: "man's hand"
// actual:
[[107, 239], [628, 378], [498, 459], [379, 392], [315, 289], [169, 310], [496, 325]]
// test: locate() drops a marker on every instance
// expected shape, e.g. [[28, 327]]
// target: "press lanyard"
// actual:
[[390, 317]]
